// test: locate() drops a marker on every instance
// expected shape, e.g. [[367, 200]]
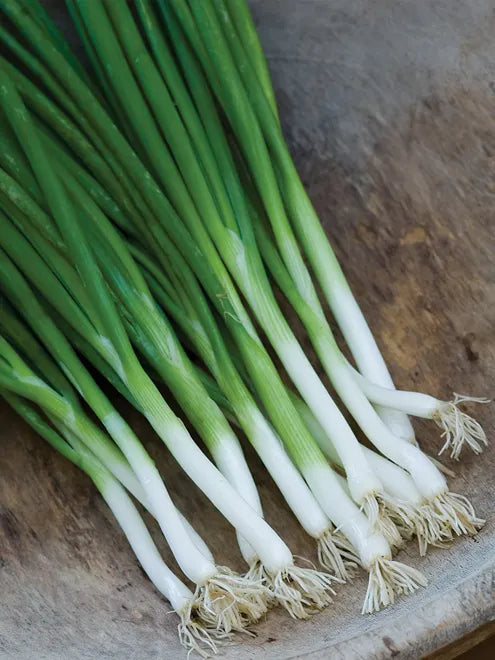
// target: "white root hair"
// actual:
[[257, 573], [401, 513], [456, 513], [430, 529], [388, 579], [436, 521], [377, 510], [420, 521], [229, 602], [337, 555], [195, 636], [458, 428], [301, 591], [314, 588]]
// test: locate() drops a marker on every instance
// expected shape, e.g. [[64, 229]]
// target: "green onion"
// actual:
[[110, 51], [374, 550], [150, 210]]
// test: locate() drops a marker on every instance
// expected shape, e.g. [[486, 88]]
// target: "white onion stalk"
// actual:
[[458, 428], [334, 552], [240, 602], [193, 633], [454, 509], [387, 577], [363, 483], [407, 507], [357, 333], [114, 461]]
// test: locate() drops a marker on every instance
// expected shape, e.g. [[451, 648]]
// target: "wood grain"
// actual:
[[389, 108]]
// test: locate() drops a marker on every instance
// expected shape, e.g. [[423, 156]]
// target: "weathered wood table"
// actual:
[[389, 108]]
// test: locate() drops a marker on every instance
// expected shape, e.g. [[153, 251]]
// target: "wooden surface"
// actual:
[[389, 108], [477, 645]]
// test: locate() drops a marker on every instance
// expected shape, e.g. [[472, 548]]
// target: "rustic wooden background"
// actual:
[[389, 107]]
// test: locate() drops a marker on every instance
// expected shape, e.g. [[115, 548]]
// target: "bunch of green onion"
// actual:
[[149, 211]]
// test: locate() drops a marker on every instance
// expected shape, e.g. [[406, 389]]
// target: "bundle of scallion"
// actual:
[[142, 204], [374, 550], [84, 305]]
